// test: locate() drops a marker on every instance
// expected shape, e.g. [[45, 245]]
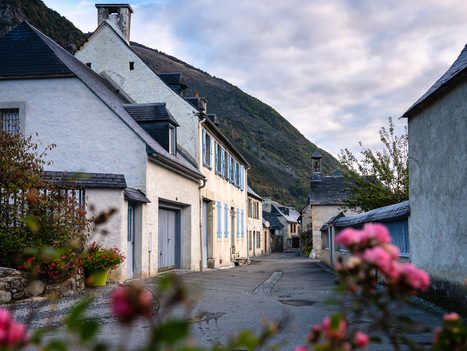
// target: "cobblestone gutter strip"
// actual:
[[266, 287]]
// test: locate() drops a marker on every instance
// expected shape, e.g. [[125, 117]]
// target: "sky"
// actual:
[[335, 69]]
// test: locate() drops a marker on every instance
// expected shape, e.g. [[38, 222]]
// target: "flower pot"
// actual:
[[96, 278]]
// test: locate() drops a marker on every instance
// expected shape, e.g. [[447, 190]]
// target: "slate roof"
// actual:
[[150, 112], [136, 195], [289, 213], [26, 33], [328, 191], [173, 78], [272, 219], [251, 192], [384, 214], [455, 73], [86, 180], [25, 54], [317, 154], [331, 221]]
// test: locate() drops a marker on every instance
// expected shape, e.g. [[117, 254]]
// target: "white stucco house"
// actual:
[[223, 196], [437, 129], [123, 153], [258, 233]]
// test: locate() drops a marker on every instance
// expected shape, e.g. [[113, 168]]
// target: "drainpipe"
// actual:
[[200, 150]]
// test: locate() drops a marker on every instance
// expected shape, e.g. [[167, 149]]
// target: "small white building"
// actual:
[[223, 196], [258, 237]]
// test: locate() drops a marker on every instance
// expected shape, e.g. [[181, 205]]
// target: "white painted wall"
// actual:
[[109, 54], [88, 135]]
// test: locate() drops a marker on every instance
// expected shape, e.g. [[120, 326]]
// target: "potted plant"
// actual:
[[97, 261]]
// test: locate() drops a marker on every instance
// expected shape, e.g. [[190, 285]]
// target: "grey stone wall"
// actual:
[[16, 285]]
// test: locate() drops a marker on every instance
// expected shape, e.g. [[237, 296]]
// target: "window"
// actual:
[[222, 169], [172, 140], [258, 240], [132, 66], [207, 140], [12, 116], [219, 157], [234, 171], [237, 174], [250, 208], [88, 64], [10, 120], [229, 166]]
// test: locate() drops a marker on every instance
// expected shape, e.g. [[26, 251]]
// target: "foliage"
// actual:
[[96, 257], [52, 263], [33, 212], [381, 178], [360, 298]]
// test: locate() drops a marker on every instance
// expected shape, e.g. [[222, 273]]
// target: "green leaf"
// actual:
[[75, 317], [171, 331], [56, 345], [89, 329]]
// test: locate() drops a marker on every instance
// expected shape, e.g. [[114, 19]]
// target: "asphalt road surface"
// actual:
[[275, 287]]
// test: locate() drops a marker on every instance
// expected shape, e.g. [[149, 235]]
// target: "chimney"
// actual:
[[118, 16], [266, 203]]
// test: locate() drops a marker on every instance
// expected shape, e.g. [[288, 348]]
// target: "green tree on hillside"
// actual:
[[380, 178]]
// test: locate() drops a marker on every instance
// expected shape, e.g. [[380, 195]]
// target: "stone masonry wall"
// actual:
[[15, 286]]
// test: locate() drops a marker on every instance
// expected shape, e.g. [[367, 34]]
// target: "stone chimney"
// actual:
[[118, 16], [266, 203]]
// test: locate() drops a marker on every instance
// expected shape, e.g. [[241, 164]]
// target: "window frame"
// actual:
[[21, 107]]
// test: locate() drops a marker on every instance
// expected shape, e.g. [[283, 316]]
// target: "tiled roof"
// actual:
[[383, 214], [150, 112], [252, 193], [87, 180], [331, 221], [173, 78], [289, 213], [454, 74], [317, 154], [101, 89], [136, 195], [25, 54], [328, 191]]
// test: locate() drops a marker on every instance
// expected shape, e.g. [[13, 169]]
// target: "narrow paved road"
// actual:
[[280, 286]]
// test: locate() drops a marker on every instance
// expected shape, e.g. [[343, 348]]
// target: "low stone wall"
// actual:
[[15, 286]]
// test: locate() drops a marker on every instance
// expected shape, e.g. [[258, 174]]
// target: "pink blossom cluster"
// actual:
[[13, 335], [332, 335], [452, 335], [132, 301], [371, 246]]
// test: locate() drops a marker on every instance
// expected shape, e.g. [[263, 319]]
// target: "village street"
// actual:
[[279, 286]]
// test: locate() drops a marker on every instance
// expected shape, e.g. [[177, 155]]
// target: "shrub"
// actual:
[[96, 257]]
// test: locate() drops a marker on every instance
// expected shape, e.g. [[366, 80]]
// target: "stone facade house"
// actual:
[[394, 217], [119, 150], [258, 239], [223, 196], [437, 130], [289, 227], [325, 200]]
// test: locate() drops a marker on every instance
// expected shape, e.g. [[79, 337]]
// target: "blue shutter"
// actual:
[[222, 170], [242, 225], [215, 157], [242, 177], [204, 147], [209, 151], [226, 208], [238, 221], [229, 170], [234, 179], [219, 229]]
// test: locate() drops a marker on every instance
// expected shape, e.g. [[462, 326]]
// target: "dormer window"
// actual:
[[132, 66]]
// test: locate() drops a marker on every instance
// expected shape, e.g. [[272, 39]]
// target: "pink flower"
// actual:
[[361, 339], [300, 348], [12, 335], [377, 232], [453, 316], [349, 237], [334, 333], [416, 278], [132, 301]]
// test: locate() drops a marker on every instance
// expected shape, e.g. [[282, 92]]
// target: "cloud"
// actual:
[[335, 69]]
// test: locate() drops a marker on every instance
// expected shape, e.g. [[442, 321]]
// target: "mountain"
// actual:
[[279, 155]]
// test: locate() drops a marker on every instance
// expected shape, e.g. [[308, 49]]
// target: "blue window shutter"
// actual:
[[219, 209], [234, 179], [209, 155], [204, 147], [226, 209], [242, 225], [228, 167], [222, 170], [215, 157], [242, 177], [238, 221]]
